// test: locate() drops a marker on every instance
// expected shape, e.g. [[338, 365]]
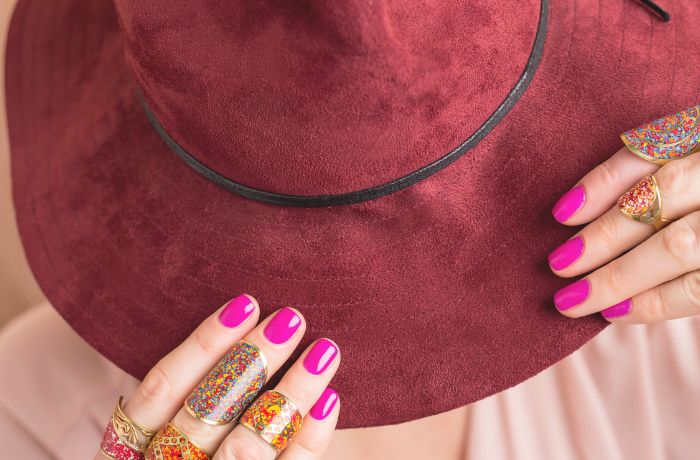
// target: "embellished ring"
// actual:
[[643, 203], [170, 443], [230, 386], [124, 439], [668, 138], [274, 418]]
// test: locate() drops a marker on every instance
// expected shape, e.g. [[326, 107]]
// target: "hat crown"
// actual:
[[318, 98]]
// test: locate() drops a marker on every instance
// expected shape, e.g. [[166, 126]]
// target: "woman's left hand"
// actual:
[[638, 274]]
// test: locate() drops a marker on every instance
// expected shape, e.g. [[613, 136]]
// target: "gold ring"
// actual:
[[170, 444], [274, 418], [125, 439], [668, 138], [642, 203]]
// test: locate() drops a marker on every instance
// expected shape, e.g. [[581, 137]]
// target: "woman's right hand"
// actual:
[[202, 389]]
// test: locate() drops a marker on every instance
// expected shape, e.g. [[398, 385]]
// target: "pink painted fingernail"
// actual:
[[282, 326], [617, 310], [236, 311], [325, 404], [569, 204], [566, 254], [320, 356], [572, 295]]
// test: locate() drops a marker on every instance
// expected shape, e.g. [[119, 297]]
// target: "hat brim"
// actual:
[[438, 295]]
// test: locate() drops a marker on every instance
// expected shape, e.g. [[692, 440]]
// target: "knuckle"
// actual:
[[691, 286], [242, 448], [204, 342], [679, 240], [653, 309], [157, 385], [608, 174], [672, 178], [608, 231], [613, 277]]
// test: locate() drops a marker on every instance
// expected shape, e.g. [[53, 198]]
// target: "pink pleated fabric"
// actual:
[[633, 392]]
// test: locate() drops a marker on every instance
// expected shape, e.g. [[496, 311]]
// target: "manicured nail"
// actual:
[[320, 356], [617, 310], [569, 204], [572, 295], [236, 311], [282, 326], [325, 404], [566, 254], [230, 386]]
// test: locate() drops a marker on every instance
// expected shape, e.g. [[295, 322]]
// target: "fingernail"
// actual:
[[282, 326], [236, 311], [566, 254], [617, 310], [230, 386], [572, 295], [325, 404], [320, 356], [569, 204]]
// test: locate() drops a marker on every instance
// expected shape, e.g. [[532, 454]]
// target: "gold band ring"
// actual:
[[125, 439], [172, 444], [274, 418]]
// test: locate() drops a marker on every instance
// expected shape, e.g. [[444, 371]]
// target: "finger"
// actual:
[[598, 190], [303, 384], [164, 388], [677, 298], [223, 394], [613, 233], [319, 425], [668, 254]]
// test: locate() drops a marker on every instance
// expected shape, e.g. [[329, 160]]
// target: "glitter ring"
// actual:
[[643, 203], [225, 392], [274, 418], [668, 138], [125, 439]]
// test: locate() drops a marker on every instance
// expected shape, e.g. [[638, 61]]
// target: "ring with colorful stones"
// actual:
[[125, 439], [642, 203], [668, 138], [172, 444], [230, 386], [274, 418]]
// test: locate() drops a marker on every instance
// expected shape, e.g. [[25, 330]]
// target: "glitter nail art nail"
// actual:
[[667, 138], [274, 417], [230, 386]]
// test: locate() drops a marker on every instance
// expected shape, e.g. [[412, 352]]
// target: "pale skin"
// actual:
[[659, 271], [670, 292], [159, 399]]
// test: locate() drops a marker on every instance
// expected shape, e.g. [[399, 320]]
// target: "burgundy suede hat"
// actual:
[[388, 168]]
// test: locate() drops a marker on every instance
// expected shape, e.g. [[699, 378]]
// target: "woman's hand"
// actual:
[[202, 389], [639, 275]]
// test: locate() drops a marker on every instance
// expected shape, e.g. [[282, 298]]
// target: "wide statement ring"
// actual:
[[274, 418], [668, 138], [643, 203], [125, 439], [230, 386], [171, 444]]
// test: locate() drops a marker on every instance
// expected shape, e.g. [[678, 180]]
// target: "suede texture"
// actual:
[[317, 98], [438, 295]]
